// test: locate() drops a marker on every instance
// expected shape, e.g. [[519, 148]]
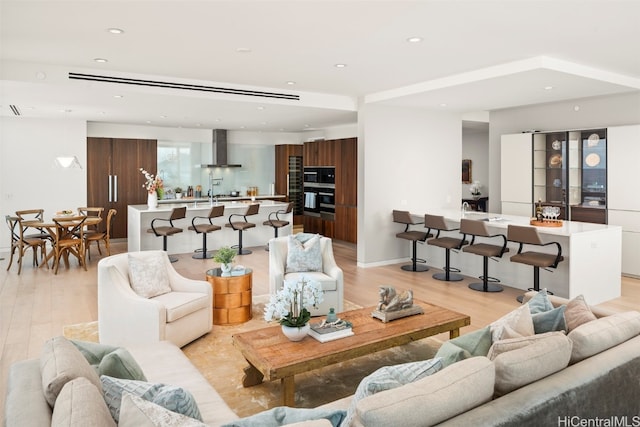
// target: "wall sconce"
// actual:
[[68, 162]]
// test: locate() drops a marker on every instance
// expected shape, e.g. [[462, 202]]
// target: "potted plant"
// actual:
[[178, 191], [290, 307], [225, 256]]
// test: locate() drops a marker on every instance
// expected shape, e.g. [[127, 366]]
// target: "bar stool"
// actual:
[[529, 235], [276, 222], [205, 228], [437, 222], [415, 236], [240, 226], [477, 228], [168, 230]]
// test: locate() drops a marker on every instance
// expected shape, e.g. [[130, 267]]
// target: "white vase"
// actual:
[[295, 333], [226, 269], [152, 200], [178, 195]]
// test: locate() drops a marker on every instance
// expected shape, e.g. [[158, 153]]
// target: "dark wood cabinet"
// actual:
[[589, 214], [346, 224], [113, 175], [346, 171], [289, 177], [310, 153]]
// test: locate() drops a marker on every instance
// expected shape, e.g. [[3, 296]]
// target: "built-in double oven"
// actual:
[[319, 191]]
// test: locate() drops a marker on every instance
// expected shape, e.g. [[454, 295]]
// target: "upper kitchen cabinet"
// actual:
[[551, 171], [516, 173], [289, 177], [113, 175], [591, 202]]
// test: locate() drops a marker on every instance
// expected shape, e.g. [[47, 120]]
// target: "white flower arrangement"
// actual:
[[289, 305], [474, 188]]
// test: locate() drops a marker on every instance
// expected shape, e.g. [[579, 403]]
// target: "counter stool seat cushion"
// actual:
[[240, 225], [446, 242], [165, 231], [204, 228], [276, 223], [537, 259], [412, 235], [483, 249]]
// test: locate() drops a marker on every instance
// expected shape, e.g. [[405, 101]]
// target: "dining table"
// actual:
[[49, 226]]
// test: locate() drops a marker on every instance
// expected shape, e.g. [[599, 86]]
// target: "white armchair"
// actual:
[[331, 277], [124, 317]]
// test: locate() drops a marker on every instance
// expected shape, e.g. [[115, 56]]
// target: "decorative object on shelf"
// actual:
[[153, 184], [556, 145], [593, 140], [225, 256], [289, 306], [592, 160], [332, 317], [474, 189], [178, 192], [331, 330], [555, 161], [395, 306]]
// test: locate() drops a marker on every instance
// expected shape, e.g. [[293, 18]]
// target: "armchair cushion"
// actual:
[[148, 274], [302, 257], [327, 283], [180, 304]]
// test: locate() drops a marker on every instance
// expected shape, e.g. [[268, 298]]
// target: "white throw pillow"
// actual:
[[303, 257], [137, 412], [148, 274], [519, 320]]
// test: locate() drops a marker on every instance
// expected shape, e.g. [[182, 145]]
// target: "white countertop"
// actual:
[[219, 199], [204, 204]]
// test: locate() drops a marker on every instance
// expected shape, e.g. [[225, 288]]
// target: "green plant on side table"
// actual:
[[225, 256]]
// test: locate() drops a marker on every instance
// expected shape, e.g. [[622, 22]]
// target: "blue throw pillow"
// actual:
[[283, 415], [476, 343], [110, 360], [549, 321], [540, 303]]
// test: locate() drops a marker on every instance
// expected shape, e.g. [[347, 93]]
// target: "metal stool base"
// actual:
[[419, 268], [490, 287], [453, 277], [203, 255]]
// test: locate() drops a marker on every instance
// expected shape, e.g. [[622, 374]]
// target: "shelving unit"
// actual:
[[551, 170]]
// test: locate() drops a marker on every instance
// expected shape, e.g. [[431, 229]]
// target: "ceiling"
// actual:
[[474, 56]]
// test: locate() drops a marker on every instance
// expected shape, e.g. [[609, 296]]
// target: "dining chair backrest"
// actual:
[[14, 228], [69, 228], [110, 215], [30, 214], [90, 211]]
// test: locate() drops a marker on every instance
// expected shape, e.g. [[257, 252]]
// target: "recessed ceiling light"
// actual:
[[290, 82], [576, 108], [340, 65], [149, 121], [242, 127], [118, 96], [115, 30], [243, 50], [163, 116], [198, 125], [548, 87], [101, 60], [443, 105], [414, 39], [261, 108]]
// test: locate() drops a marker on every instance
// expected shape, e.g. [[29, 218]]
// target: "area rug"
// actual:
[[222, 365]]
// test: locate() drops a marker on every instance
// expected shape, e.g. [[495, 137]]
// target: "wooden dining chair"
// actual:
[[36, 215], [104, 236], [21, 243], [91, 212], [69, 240]]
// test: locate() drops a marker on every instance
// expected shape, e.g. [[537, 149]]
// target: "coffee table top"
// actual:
[[269, 351]]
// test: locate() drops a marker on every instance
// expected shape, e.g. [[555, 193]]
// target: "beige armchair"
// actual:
[[124, 317], [331, 277]]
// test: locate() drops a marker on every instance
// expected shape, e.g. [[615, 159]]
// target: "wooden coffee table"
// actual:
[[272, 356]]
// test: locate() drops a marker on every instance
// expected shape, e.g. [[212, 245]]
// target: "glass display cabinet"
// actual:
[[551, 170], [591, 205]]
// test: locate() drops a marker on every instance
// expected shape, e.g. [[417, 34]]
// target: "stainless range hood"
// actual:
[[220, 149]]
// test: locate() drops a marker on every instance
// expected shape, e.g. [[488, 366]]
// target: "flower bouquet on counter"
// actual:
[[474, 188], [289, 305], [153, 183]]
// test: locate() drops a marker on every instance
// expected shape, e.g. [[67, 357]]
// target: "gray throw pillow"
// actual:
[[110, 360], [148, 273], [540, 302], [302, 257], [548, 321]]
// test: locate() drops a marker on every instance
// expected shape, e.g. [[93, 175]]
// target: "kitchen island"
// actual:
[[140, 217], [592, 256]]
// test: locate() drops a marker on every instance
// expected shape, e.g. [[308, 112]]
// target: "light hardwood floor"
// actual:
[[36, 304]]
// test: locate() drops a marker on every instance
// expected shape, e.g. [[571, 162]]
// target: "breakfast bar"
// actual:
[[592, 256], [140, 217]]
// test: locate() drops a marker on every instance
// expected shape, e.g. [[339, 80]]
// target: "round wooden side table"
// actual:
[[231, 296]]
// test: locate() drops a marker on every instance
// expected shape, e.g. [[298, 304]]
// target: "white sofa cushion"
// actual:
[[137, 412], [543, 356], [180, 304], [80, 404], [148, 273], [428, 401], [601, 334], [518, 320]]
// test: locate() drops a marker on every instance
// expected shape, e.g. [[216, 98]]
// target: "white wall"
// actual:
[[597, 112], [28, 176], [408, 159]]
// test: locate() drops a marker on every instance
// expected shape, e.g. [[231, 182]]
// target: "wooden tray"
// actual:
[[546, 223]]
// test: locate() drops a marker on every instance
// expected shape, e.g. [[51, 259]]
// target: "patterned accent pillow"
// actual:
[[303, 257], [389, 377], [137, 412], [170, 397], [148, 274]]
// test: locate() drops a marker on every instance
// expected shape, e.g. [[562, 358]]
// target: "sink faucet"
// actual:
[[465, 207]]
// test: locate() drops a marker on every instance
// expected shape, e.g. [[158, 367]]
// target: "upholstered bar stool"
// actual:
[[437, 223], [529, 236], [240, 226], [275, 221], [205, 228], [168, 230], [415, 236], [475, 229]]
